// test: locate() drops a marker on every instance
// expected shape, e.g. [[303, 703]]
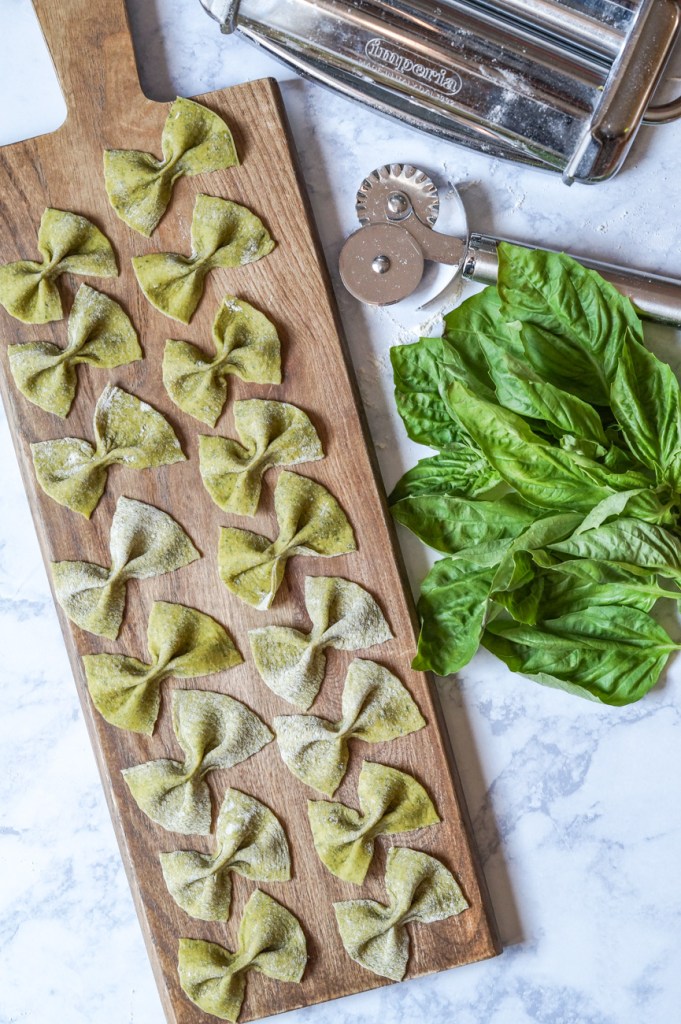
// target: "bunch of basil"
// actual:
[[556, 491]]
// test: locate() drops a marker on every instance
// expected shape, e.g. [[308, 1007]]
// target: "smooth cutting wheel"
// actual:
[[381, 264]]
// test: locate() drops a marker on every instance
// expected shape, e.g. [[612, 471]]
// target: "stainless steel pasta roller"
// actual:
[[560, 84], [397, 206]]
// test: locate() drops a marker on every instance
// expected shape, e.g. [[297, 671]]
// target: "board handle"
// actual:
[[91, 46]]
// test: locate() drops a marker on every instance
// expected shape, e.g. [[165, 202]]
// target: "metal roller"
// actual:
[[560, 84]]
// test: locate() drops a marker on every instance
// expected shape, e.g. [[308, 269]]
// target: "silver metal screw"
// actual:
[[398, 203], [380, 264]]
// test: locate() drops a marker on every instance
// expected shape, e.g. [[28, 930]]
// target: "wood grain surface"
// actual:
[[91, 46]]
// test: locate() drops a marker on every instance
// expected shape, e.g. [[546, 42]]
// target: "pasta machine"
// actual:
[[558, 84]]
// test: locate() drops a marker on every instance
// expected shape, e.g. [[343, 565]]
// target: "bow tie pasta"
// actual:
[[270, 942], [128, 432], [376, 708], [344, 616], [246, 345], [99, 333], [214, 731], [311, 522], [223, 234], [68, 244], [420, 890], [139, 185], [249, 840], [273, 434], [144, 542], [390, 801], [183, 643]]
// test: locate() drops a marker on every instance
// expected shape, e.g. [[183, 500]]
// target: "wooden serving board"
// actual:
[[91, 46]]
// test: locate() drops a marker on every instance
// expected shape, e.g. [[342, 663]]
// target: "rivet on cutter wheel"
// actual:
[[398, 205]]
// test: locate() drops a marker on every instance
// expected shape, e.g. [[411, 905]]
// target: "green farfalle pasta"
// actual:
[[99, 333], [273, 434], [68, 244], [139, 185], [128, 432], [223, 234], [390, 801], [420, 890], [249, 840], [143, 542], [344, 616], [183, 643], [246, 345], [311, 522], [376, 708], [214, 731], [270, 942]]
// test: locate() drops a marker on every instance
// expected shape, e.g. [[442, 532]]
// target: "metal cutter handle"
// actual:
[[655, 297]]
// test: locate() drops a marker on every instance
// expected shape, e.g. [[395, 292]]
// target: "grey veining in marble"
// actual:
[[576, 808]]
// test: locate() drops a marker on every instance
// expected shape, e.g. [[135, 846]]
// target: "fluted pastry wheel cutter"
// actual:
[[398, 205]]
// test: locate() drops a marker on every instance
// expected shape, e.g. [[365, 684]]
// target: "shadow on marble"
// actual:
[[484, 828], [154, 70]]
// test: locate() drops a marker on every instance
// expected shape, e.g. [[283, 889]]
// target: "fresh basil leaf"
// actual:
[[574, 552], [617, 459], [646, 400], [521, 389], [560, 301], [629, 543], [612, 506], [524, 602], [543, 474], [416, 371], [559, 361], [564, 593], [591, 449], [590, 570], [452, 524], [460, 364], [643, 504], [610, 654], [577, 585], [482, 315], [461, 471], [477, 318], [613, 457], [516, 567], [452, 608]]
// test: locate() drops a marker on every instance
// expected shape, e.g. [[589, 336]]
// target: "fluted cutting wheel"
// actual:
[[378, 196]]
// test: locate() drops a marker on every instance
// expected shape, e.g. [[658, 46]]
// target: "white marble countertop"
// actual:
[[576, 808]]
